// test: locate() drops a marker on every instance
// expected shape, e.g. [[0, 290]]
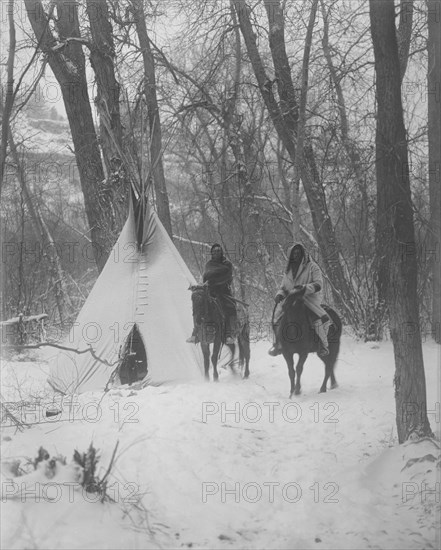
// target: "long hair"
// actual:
[[305, 256]]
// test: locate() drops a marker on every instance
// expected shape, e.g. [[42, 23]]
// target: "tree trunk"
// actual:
[[7, 109], [397, 238], [404, 34], [102, 59], [156, 152], [434, 134], [66, 59], [301, 124]]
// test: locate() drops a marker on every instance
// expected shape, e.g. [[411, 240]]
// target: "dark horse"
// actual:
[[298, 336], [211, 330]]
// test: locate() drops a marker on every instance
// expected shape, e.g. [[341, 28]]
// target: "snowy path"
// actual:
[[238, 465]]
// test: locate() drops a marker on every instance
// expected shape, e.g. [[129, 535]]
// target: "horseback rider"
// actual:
[[303, 278], [218, 275]]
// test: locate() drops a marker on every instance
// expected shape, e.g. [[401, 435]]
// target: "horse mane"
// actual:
[[296, 322], [292, 301]]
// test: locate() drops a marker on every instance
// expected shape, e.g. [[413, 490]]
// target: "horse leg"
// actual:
[[214, 358], [206, 352], [333, 380], [244, 352], [332, 359], [299, 370], [246, 356], [232, 348], [289, 358], [329, 373]]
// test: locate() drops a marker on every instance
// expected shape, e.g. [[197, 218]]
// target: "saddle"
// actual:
[[313, 317]]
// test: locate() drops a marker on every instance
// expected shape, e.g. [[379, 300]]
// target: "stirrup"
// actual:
[[229, 340]]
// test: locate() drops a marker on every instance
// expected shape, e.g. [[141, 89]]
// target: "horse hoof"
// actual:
[[333, 386], [297, 392], [322, 390]]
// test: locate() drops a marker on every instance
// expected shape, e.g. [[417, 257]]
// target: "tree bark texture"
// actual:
[[433, 251], [396, 232], [7, 109], [102, 59], [404, 34], [156, 149]]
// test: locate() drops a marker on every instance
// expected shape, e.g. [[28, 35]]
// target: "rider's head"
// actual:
[[216, 252], [296, 255]]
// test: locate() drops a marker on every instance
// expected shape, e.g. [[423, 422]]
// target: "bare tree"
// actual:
[[404, 34], [284, 115], [7, 109], [66, 59], [156, 145], [299, 152], [434, 135], [41, 229], [397, 239], [48, 245], [102, 59]]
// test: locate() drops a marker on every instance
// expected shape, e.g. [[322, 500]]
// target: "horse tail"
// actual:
[[243, 339], [334, 335]]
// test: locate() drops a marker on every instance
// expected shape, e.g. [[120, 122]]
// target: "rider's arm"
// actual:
[[283, 290], [223, 276], [315, 283]]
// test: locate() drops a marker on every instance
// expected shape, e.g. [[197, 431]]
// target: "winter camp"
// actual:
[[220, 277]]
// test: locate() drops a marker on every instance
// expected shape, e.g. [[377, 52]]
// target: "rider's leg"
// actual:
[[229, 310], [234, 325], [230, 324], [194, 336], [276, 348], [321, 327]]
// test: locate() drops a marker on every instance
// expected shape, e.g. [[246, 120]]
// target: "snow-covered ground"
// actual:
[[230, 465]]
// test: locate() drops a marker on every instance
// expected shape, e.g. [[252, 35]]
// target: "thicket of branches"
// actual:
[[267, 119]]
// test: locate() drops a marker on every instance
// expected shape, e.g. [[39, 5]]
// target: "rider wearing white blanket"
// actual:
[[302, 277]]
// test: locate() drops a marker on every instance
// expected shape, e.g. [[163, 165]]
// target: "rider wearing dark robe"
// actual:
[[302, 277], [218, 275]]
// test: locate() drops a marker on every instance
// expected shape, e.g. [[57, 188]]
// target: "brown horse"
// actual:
[[211, 331], [298, 336]]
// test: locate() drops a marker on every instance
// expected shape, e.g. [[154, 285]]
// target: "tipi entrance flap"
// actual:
[[133, 358]]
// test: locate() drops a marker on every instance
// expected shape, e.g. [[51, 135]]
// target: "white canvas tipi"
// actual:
[[139, 309]]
